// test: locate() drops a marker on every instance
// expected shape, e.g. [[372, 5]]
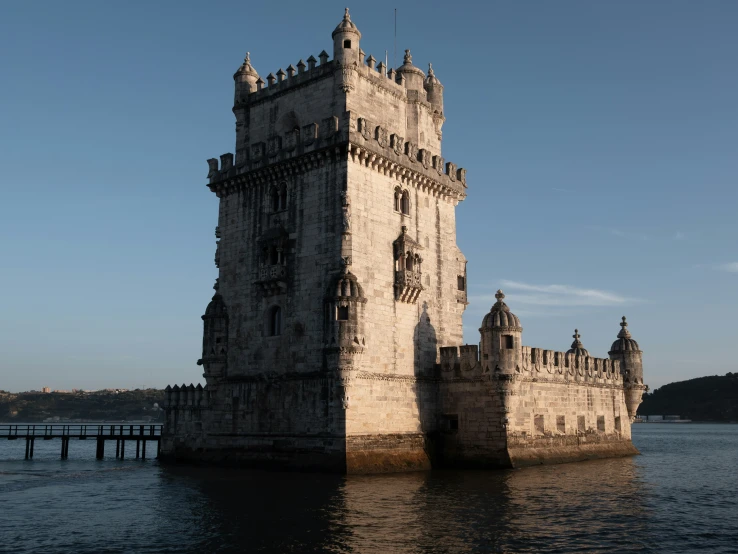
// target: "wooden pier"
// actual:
[[121, 434]]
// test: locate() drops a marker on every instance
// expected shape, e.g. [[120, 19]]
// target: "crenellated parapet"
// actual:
[[384, 150], [387, 151], [464, 362], [569, 366], [286, 81], [186, 397], [183, 406]]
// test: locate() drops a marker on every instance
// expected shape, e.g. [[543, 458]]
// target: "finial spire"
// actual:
[[624, 333], [408, 59], [430, 69], [499, 295], [346, 15], [577, 347]]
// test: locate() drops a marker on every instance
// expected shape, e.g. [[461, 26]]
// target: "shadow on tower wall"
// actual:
[[425, 350]]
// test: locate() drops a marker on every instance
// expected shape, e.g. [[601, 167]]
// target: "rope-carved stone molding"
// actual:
[[279, 170]]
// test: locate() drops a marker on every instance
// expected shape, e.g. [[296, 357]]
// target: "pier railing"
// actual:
[[120, 433]]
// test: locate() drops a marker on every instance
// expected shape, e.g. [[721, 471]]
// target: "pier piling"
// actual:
[[100, 433]]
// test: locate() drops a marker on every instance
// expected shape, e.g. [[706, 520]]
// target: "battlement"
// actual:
[[284, 81], [464, 361], [185, 397], [381, 75], [372, 145]]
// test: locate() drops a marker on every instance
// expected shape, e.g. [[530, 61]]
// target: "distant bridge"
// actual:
[[121, 434]]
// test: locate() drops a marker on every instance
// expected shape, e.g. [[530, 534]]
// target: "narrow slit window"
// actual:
[[342, 313], [538, 424], [561, 424], [275, 321], [405, 203]]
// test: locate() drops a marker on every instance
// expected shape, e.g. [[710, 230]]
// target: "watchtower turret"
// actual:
[[626, 349], [502, 338], [246, 79], [434, 90], [215, 338], [413, 77], [346, 38], [577, 348]]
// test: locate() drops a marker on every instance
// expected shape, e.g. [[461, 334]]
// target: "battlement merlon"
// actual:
[[406, 97], [353, 137], [536, 362]]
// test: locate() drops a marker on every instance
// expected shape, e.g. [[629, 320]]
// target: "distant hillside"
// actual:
[[97, 406], [713, 398]]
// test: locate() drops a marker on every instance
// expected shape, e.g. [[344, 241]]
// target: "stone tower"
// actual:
[[333, 340], [339, 273], [626, 349]]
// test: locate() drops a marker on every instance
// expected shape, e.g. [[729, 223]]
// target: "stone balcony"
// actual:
[[408, 285], [272, 279]]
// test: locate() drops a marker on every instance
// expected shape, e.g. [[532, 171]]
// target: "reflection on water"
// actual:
[[680, 496]]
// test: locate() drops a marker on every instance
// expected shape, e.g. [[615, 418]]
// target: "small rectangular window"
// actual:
[[235, 405], [617, 424], [561, 424], [452, 422], [347, 44], [342, 313], [538, 424], [507, 340], [601, 423], [461, 282], [581, 424]]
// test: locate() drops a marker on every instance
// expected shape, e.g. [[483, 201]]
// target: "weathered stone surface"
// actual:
[[333, 340]]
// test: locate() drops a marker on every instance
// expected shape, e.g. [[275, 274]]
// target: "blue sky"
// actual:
[[600, 139]]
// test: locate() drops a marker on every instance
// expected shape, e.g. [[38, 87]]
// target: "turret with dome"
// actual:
[[501, 337]]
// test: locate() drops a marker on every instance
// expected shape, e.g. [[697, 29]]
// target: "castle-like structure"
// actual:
[[333, 340]]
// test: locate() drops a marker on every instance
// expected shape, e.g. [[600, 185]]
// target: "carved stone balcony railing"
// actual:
[[408, 285], [272, 279]]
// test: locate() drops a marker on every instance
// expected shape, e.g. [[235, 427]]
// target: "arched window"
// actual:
[[283, 197], [274, 199], [274, 323], [405, 203], [397, 200], [409, 261]]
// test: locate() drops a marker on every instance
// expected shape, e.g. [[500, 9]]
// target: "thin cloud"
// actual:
[[620, 233], [561, 295], [731, 267], [679, 235]]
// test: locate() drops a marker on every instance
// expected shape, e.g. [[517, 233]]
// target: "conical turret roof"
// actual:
[[346, 25], [625, 342], [577, 347], [500, 315]]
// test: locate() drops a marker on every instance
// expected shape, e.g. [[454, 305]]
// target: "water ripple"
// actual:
[[680, 496]]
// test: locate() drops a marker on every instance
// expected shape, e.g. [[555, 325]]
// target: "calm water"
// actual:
[[681, 495]]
